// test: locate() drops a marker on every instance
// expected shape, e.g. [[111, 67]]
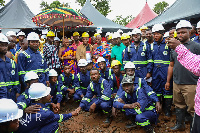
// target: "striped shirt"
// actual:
[[192, 63]]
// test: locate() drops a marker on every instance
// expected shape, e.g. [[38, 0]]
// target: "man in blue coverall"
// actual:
[[105, 72], [161, 58], [33, 60], [136, 103], [9, 78], [139, 53], [98, 96], [83, 80], [44, 121]]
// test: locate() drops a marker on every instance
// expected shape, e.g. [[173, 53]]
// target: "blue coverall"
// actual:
[[113, 82], [83, 83], [141, 58], [161, 58], [67, 82], [32, 61], [56, 92], [23, 101], [107, 73], [44, 121], [102, 91], [9, 79], [145, 115], [148, 90]]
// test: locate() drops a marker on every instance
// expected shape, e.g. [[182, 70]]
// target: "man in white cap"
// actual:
[[21, 36], [184, 85], [44, 120], [9, 78], [9, 115], [197, 39]]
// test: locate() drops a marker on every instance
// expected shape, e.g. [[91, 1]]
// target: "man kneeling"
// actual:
[[136, 103]]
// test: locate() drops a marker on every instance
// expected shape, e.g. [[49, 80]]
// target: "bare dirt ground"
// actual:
[[91, 123]]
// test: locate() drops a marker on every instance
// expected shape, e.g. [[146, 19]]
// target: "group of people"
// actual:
[[136, 73]]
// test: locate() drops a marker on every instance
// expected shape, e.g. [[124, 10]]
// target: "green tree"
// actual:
[[160, 7], [2, 2], [101, 5], [123, 21], [54, 4]]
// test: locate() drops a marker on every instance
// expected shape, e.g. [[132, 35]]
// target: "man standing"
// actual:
[[76, 40], [85, 50], [117, 50], [161, 58], [197, 39], [51, 53], [149, 37], [9, 78], [184, 84], [33, 60], [21, 36], [139, 53]]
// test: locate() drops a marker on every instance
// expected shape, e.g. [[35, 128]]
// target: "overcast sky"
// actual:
[[118, 7]]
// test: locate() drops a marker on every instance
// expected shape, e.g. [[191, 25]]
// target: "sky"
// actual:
[[118, 7]]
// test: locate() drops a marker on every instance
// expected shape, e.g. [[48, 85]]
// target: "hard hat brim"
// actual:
[[17, 116], [48, 90]]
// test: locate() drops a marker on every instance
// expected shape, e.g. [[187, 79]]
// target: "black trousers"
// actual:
[[196, 124]]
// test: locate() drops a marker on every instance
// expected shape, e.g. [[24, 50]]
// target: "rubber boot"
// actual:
[[180, 122], [149, 129], [168, 104], [108, 120], [132, 124]]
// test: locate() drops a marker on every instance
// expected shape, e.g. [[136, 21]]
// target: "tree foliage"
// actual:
[[160, 7], [54, 4], [2, 2], [101, 5], [123, 21]]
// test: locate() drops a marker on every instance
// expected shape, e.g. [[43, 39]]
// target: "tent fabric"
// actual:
[[181, 9], [98, 19], [143, 17], [16, 15]]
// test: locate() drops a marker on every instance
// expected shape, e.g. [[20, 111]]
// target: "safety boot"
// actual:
[[149, 129], [132, 124], [180, 123], [108, 121], [168, 103]]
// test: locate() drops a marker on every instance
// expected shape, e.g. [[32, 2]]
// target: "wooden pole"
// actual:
[[63, 28]]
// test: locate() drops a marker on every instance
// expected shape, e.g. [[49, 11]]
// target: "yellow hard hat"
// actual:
[[124, 36], [127, 36], [144, 28], [110, 37], [96, 34], [50, 34], [85, 34], [114, 63], [76, 34]]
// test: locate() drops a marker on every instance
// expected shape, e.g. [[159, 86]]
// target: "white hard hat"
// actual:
[[116, 35], [100, 59], [44, 36], [198, 24], [129, 33], [56, 39], [21, 33], [30, 76], [33, 36], [3, 38], [136, 31], [10, 33], [129, 65], [120, 31], [52, 72], [38, 90], [82, 62], [183, 24], [166, 34], [9, 110], [157, 28], [107, 34]]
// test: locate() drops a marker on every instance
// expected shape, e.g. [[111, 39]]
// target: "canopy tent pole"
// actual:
[[63, 28]]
